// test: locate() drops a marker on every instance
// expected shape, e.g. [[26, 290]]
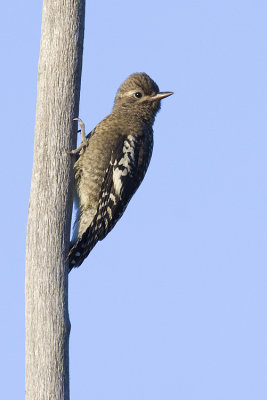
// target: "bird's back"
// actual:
[[91, 168]]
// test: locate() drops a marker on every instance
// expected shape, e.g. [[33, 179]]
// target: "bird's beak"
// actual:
[[161, 95]]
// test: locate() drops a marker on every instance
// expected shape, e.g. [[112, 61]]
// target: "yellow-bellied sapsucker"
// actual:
[[112, 162]]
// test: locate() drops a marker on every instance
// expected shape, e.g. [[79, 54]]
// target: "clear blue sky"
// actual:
[[172, 304]]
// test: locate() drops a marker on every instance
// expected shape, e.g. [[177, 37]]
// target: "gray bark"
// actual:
[[46, 283]]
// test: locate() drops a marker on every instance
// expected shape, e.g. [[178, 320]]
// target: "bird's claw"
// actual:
[[80, 149], [84, 143]]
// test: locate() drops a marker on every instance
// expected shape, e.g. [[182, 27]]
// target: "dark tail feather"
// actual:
[[80, 249]]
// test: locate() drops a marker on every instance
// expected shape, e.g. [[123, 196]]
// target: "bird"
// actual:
[[112, 161]]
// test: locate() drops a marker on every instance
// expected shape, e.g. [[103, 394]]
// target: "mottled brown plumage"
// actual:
[[113, 162]]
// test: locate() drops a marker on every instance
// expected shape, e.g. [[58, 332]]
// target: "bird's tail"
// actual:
[[81, 248]]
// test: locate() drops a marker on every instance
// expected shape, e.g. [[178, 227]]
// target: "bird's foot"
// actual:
[[84, 143]]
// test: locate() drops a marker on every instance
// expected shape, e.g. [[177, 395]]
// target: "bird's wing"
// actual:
[[123, 176]]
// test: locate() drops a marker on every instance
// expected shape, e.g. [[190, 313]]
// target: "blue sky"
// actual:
[[172, 304]]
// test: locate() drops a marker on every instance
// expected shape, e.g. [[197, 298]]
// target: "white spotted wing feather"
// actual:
[[127, 167]]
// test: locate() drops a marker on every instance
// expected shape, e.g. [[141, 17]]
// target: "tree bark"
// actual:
[[46, 283]]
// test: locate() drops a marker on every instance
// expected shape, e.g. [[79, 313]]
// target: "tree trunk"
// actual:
[[46, 284]]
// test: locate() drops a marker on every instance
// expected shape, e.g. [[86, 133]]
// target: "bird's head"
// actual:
[[140, 95]]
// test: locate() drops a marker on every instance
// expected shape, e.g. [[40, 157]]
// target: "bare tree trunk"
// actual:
[[47, 320]]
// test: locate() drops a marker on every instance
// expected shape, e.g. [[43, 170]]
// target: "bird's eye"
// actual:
[[138, 95]]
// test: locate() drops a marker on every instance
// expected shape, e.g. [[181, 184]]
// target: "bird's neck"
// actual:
[[134, 114]]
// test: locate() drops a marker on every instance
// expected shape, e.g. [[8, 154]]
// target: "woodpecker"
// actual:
[[112, 162]]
